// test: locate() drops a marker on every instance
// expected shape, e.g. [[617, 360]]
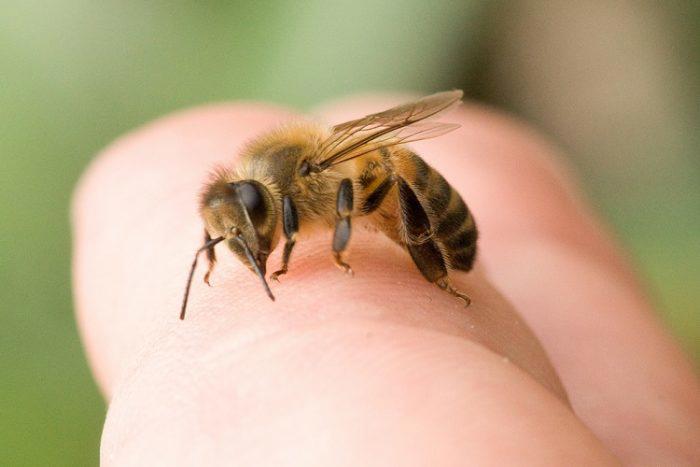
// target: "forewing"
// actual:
[[409, 134], [394, 126]]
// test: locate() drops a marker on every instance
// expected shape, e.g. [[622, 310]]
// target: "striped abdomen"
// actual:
[[452, 223]]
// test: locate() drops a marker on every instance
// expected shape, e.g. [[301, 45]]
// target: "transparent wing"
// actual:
[[398, 125]]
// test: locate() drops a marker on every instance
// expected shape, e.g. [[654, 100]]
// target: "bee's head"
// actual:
[[244, 213]]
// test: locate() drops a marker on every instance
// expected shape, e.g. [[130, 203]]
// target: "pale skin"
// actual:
[[381, 368]]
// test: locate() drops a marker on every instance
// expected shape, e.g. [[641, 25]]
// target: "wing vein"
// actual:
[[401, 124]]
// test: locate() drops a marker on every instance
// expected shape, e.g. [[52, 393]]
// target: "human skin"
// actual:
[[381, 368]]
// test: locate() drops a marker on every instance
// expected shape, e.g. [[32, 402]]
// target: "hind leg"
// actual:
[[445, 285], [421, 246]]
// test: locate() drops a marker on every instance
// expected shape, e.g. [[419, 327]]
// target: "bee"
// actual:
[[306, 174]]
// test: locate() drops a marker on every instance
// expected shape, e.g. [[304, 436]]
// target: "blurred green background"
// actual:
[[615, 84]]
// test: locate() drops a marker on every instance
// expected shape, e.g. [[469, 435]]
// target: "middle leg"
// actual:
[[341, 237]]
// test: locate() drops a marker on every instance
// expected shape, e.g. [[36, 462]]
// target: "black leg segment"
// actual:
[[421, 243], [341, 237], [290, 223], [342, 234], [344, 202]]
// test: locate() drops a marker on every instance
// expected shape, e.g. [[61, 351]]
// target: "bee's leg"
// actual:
[[445, 285], [290, 222], [422, 247], [211, 258], [341, 237]]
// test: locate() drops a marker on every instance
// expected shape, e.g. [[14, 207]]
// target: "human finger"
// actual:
[[334, 355]]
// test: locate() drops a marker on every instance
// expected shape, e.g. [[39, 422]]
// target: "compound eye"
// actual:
[[252, 199]]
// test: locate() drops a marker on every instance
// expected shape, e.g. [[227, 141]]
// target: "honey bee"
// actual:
[[306, 174]]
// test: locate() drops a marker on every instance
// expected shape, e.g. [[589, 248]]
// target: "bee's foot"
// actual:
[[343, 266], [445, 285], [206, 279], [465, 298], [275, 276]]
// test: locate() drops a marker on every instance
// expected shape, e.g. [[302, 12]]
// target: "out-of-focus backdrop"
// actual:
[[614, 83]]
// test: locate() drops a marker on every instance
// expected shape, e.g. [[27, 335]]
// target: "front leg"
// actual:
[[341, 237], [290, 222], [211, 257]]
